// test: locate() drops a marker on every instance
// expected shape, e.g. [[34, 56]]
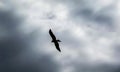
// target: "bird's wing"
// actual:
[[57, 46], [51, 34]]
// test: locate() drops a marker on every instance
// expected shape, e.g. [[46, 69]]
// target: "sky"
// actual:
[[88, 29]]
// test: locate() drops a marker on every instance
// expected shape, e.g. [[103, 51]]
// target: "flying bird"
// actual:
[[54, 40]]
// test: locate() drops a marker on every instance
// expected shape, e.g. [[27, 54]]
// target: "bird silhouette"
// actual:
[[54, 40]]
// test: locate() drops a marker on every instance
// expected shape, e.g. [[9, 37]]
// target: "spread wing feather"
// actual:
[[51, 34], [57, 46]]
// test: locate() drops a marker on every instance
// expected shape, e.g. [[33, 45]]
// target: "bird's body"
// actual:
[[54, 40]]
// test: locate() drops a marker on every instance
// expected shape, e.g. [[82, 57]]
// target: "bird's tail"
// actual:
[[58, 40]]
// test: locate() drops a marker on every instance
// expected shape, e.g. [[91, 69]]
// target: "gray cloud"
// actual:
[[25, 59], [16, 51], [69, 39], [102, 17], [98, 68], [98, 16], [101, 14]]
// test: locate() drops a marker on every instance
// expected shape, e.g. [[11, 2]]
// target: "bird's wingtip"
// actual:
[[49, 29], [59, 50]]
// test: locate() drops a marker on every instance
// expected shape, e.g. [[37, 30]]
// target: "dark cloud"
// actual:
[[116, 49], [16, 51], [97, 68], [89, 14]]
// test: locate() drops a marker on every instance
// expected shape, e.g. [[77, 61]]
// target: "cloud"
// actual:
[[97, 20], [98, 68], [16, 48], [101, 12], [87, 29]]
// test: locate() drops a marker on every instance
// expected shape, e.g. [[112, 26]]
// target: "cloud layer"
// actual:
[[16, 51], [89, 31]]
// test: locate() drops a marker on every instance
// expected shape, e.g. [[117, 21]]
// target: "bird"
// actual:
[[54, 40]]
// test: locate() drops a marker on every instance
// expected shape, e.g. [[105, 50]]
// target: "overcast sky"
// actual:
[[89, 31]]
